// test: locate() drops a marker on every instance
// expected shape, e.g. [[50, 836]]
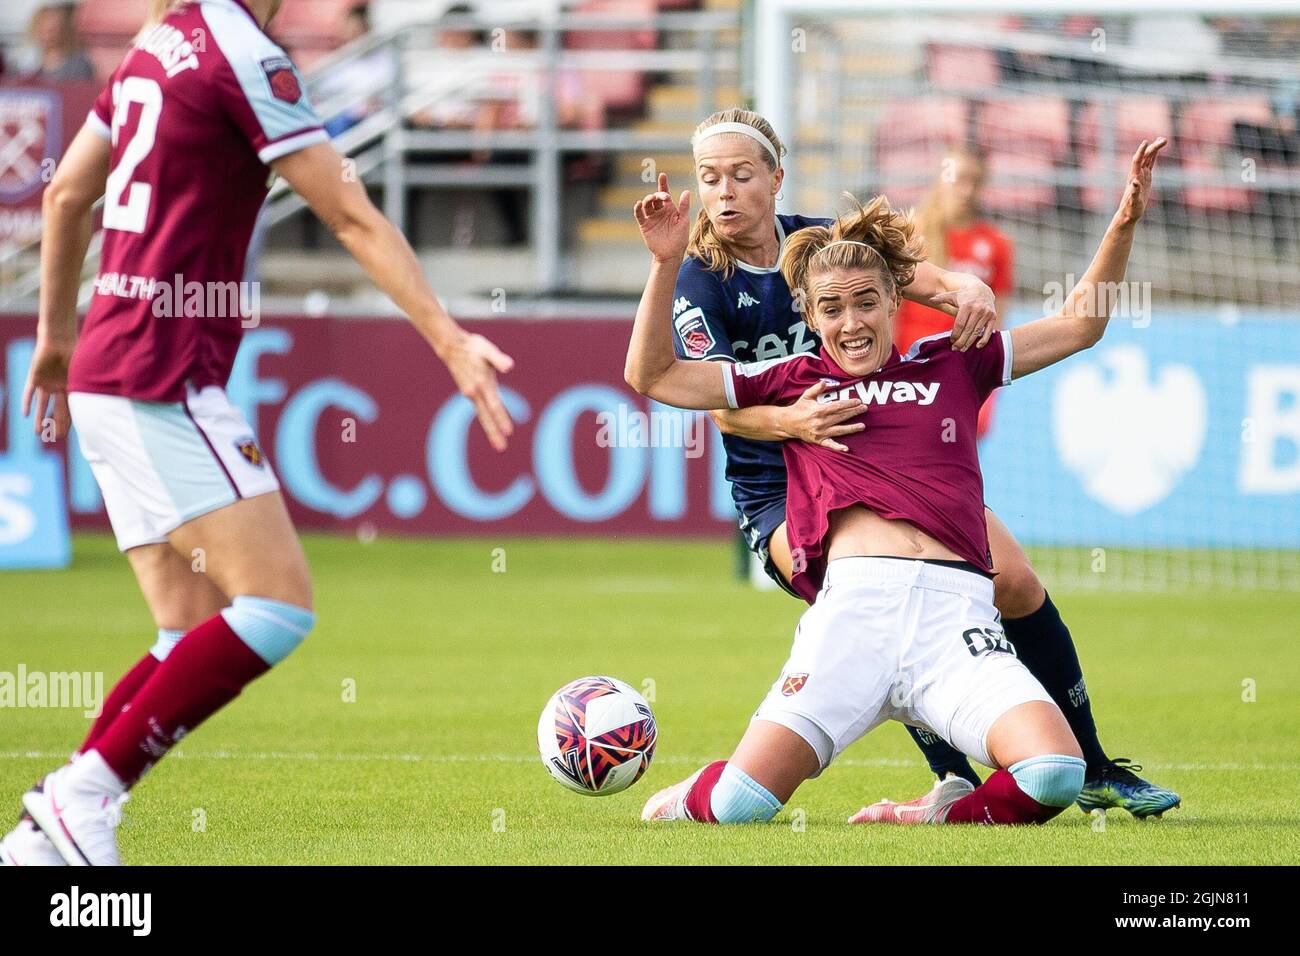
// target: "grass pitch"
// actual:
[[403, 730]]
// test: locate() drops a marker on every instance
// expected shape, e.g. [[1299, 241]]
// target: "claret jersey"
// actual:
[[916, 460], [197, 110]]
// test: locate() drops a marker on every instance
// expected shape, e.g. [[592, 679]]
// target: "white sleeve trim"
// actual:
[[1006, 356], [98, 126], [729, 384], [291, 144]]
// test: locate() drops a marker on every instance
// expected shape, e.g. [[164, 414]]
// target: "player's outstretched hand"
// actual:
[[46, 391], [977, 315], [1138, 190], [821, 423], [474, 363], [665, 226]]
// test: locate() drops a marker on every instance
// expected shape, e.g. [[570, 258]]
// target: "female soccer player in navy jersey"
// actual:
[[732, 304], [180, 144], [892, 535]]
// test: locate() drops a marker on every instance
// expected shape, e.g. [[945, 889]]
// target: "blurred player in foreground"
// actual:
[[179, 145], [732, 304], [891, 536]]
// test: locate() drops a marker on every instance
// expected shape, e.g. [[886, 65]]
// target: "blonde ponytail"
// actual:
[[876, 236]]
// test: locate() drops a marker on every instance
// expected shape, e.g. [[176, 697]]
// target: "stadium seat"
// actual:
[[927, 123], [906, 175], [623, 90], [1029, 189], [961, 67], [1129, 122], [1216, 198], [1205, 141], [1205, 126], [1037, 126]]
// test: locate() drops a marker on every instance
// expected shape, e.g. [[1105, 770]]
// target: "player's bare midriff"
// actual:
[[859, 531]]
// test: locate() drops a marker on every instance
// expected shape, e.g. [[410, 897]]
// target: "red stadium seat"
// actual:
[[906, 175], [617, 89], [1206, 126], [961, 67], [1032, 126], [932, 123], [1130, 121], [1205, 142], [1227, 198], [1029, 189]]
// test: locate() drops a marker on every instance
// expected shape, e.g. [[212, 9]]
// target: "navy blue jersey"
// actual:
[[749, 317]]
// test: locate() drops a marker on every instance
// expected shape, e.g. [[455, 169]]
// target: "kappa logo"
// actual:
[[745, 300], [680, 306], [793, 684], [694, 332], [1128, 433], [881, 393], [252, 454], [282, 78]]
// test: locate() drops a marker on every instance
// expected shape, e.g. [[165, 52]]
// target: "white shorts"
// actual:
[[910, 641], [160, 464]]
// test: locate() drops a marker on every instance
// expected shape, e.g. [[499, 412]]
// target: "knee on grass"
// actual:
[[1054, 780]]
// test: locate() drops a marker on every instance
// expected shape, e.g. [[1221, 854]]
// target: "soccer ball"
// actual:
[[596, 735]]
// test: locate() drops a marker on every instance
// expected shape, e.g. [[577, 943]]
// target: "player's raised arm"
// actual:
[[1081, 322], [316, 174], [67, 225], [653, 368]]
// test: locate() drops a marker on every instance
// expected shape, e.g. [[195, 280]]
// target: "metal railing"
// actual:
[[385, 146]]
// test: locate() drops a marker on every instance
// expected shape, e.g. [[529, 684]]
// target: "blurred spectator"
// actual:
[[960, 238], [462, 52], [54, 32], [358, 83]]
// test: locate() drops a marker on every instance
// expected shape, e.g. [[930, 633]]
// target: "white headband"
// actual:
[[847, 242], [745, 130]]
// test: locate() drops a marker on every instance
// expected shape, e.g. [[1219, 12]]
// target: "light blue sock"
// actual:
[[739, 798], [167, 639], [271, 628], [1054, 780]]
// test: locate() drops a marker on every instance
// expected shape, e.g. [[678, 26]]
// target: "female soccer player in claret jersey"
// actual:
[[179, 144], [891, 534], [731, 304]]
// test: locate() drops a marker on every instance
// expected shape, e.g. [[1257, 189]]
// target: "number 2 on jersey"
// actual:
[[126, 204]]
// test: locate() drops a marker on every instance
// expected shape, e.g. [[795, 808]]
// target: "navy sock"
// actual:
[[1044, 645], [942, 756]]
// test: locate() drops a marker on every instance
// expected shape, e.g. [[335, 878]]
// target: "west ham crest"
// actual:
[[252, 454], [30, 139]]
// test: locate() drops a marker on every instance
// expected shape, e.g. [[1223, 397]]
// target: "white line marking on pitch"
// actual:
[[531, 758]]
